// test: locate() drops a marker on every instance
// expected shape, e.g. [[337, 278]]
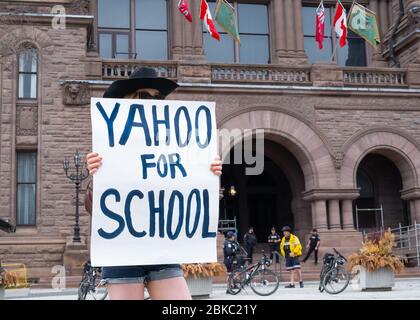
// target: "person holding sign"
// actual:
[[163, 281]]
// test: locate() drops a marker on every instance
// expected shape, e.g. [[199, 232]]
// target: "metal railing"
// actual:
[[227, 225], [407, 243]]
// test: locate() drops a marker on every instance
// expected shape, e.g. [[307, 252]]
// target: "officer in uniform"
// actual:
[[230, 248]]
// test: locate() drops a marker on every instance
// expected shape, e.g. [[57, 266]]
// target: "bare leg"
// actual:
[[292, 276], [169, 289], [299, 274], [126, 291]]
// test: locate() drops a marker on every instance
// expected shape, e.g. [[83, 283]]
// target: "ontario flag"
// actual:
[[183, 8], [208, 20], [320, 24], [340, 23]]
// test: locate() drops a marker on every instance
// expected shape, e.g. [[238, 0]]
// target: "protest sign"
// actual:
[[155, 200]]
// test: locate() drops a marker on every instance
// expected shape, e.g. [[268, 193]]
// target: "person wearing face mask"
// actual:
[[164, 281]]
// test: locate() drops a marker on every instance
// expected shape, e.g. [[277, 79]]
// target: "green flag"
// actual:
[[364, 23], [226, 18]]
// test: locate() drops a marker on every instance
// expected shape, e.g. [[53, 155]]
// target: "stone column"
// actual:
[[347, 206], [415, 210], [197, 28], [290, 39], [334, 214], [320, 208], [383, 17], [279, 23], [377, 59], [177, 31], [298, 30]]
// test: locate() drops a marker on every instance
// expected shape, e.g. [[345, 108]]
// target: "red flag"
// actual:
[[208, 20], [340, 23], [320, 24], [183, 8]]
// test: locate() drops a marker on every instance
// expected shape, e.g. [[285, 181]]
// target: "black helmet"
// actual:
[[286, 228]]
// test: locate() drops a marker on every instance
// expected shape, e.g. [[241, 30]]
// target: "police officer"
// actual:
[[250, 241], [313, 245], [274, 241], [230, 248]]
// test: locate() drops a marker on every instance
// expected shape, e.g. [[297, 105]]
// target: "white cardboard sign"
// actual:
[[155, 200]]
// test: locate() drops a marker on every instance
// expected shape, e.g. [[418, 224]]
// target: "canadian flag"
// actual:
[[340, 23], [183, 8], [208, 20], [320, 24]]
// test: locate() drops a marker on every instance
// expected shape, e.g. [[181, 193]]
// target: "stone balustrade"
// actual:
[[374, 77], [114, 69]]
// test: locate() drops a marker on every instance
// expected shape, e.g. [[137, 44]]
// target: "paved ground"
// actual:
[[405, 289]]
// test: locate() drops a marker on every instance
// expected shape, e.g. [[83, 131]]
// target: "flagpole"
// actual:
[[347, 20]]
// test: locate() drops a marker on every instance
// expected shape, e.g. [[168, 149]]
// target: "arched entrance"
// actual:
[[272, 198], [299, 164], [380, 183], [385, 163]]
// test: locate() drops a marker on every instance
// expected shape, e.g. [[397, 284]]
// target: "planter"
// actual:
[[2, 293], [380, 280], [200, 287]]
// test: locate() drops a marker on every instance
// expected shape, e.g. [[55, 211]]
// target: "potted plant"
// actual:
[[199, 277], [8, 279], [376, 263]]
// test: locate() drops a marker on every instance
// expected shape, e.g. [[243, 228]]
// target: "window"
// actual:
[[254, 34], [133, 29], [28, 66], [26, 185], [352, 54]]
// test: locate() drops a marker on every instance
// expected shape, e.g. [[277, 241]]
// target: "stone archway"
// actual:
[[394, 145], [296, 134], [306, 161]]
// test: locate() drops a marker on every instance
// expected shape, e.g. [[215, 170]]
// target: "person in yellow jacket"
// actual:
[[291, 249]]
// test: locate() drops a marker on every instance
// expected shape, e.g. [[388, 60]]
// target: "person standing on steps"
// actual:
[[250, 241], [274, 240], [291, 249], [313, 244]]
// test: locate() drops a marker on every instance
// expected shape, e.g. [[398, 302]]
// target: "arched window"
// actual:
[[28, 73]]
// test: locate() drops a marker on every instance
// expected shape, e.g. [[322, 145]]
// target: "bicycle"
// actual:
[[334, 277], [262, 281], [91, 284]]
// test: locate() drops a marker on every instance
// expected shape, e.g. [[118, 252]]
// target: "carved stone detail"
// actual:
[[27, 120], [76, 94]]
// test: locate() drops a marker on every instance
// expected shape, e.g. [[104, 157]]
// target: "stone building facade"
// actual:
[[336, 136]]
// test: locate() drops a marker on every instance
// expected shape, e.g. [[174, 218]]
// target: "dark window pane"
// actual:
[[122, 46], [26, 167], [28, 61], [151, 14], [253, 18], [152, 45], [113, 14], [105, 45], [27, 86], [219, 51], [353, 53], [26, 204], [309, 21], [254, 49], [26, 182], [314, 53]]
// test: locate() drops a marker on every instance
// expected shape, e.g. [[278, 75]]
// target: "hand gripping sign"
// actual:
[[155, 200]]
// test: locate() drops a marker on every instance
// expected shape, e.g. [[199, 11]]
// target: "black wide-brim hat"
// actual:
[[140, 78]]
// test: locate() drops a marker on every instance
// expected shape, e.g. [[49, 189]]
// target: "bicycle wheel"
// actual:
[[83, 289], [235, 281], [321, 279], [264, 282], [97, 291], [336, 280]]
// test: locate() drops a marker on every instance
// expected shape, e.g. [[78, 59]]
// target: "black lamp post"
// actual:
[[77, 178]]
